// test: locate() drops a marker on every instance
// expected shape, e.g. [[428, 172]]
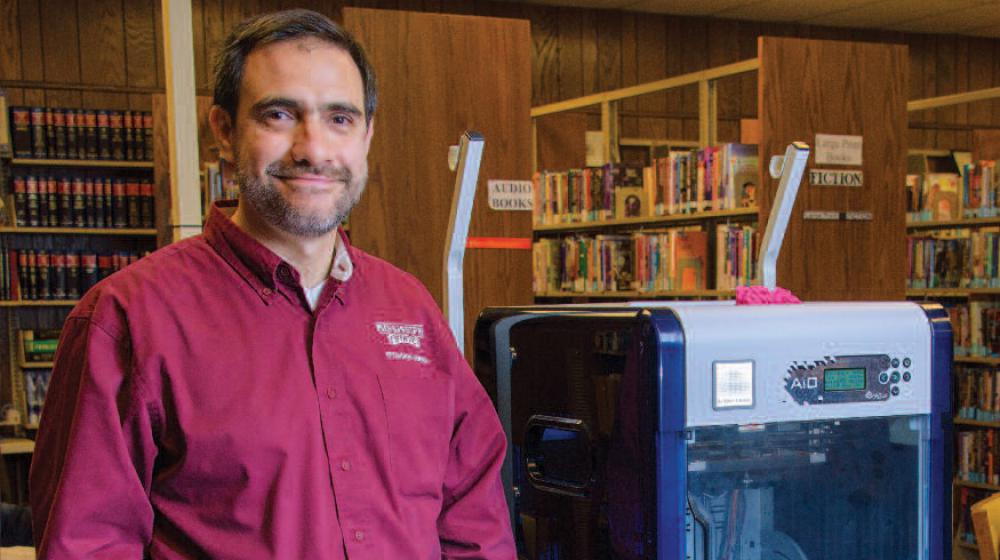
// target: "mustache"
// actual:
[[282, 171]]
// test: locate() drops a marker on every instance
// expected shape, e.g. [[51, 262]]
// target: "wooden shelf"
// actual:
[[952, 292], [641, 295], [16, 446], [78, 231], [978, 485], [978, 423], [963, 223], [978, 360], [647, 221], [35, 365], [83, 163], [39, 303], [963, 544]]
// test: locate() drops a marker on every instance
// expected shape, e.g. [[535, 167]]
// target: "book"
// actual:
[[629, 202], [21, 131], [985, 515], [692, 260], [943, 198]]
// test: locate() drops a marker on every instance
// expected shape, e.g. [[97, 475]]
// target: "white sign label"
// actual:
[[836, 178], [820, 215], [733, 384], [511, 195], [838, 149]]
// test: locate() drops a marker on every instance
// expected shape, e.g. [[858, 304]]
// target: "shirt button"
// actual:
[[345, 465], [331, 392], [359, 536], [283, 273], [266, 291]]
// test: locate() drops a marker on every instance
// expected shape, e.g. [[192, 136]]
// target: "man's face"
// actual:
[[299, 139]]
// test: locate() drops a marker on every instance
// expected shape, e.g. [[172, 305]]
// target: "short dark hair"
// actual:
[[275, 27]]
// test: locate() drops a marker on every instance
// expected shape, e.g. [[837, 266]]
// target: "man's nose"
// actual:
[[313, 144]]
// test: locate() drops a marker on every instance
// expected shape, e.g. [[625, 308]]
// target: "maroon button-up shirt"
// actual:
[[198, 408]]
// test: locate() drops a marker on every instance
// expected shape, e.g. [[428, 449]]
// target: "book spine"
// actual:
[[147, 206], [99, 218], [58, 275], [88, 203], [106, 265], [20, 201], [24, 283], [79, 203], [59, 116], [106, 190], [72, 275], [132, 202], [33, 275], [88, 271], [129, 135], [90, 131], [38, 145], [119, 204], [69, 116], [32, 198], [20, 122], [103, 134], [65, 202], [50, 133], [52, 194], [43, 275], [147, 136], [117, 136]]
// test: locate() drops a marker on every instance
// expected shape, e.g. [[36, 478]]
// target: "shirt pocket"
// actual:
[[419, 411]]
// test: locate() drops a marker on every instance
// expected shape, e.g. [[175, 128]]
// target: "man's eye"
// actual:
[[342, 119], [277, 115]]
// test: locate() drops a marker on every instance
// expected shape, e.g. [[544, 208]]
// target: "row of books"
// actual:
[[672, 259], [977, 394], [58, 133], [960, 258], [56, 275], [683, 182], [978, 456], [974, 192], [83, 201], [39, 345], [975, 328]]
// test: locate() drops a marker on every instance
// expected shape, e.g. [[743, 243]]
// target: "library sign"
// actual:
[[836, 177], [511, 195]]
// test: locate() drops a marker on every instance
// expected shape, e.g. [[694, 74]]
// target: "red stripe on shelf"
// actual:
[[499, 243]]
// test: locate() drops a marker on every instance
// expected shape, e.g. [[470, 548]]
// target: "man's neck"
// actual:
[[312, 256]]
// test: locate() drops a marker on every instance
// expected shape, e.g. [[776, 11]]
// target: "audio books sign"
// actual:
[[510, 195]]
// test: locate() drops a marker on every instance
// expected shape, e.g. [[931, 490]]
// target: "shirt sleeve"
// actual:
[[93, 461], [474, 520]]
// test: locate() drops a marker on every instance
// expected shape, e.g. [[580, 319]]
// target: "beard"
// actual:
[[263, 194]]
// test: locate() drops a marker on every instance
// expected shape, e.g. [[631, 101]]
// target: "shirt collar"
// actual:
[[256, 263]]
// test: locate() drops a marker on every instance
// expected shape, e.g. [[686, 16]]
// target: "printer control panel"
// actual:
[[844, 379]]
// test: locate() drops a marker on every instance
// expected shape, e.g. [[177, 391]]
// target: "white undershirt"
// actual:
[[341, 270]]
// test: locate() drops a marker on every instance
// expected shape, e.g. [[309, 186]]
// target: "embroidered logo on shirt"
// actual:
[[406, 357], [399, 333]]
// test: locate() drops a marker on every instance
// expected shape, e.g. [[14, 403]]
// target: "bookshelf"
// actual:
[[975, 376], [78, 205], [876, 111]]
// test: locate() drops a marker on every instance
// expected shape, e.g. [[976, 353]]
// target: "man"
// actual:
[[265, 390]]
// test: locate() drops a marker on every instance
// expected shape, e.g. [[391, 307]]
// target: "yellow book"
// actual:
[[986, 521]]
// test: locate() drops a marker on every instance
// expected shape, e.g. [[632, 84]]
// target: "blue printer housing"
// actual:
[[713, 431]]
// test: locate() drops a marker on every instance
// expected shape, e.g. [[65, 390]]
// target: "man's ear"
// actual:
[[222, 127]]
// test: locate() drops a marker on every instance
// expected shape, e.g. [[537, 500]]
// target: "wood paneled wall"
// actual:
[[811, 87], [116, 45]]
